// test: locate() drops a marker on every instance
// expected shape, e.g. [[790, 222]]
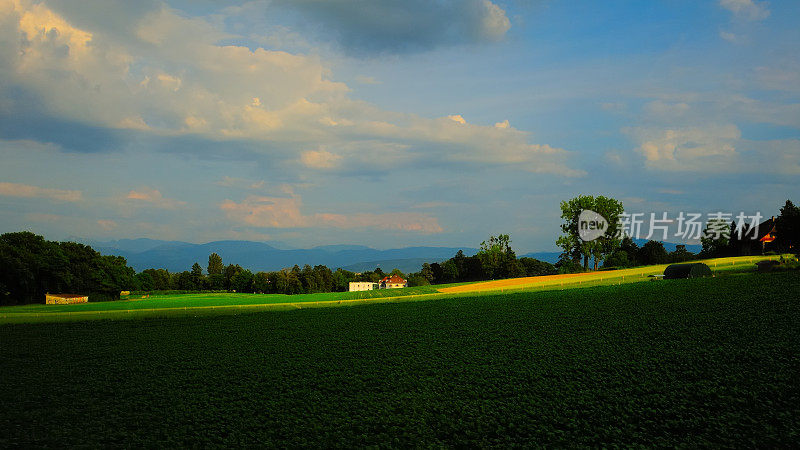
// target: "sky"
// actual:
[[389, 124]]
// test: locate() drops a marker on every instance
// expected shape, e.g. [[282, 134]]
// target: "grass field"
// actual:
[[705, 362], [222, 303]]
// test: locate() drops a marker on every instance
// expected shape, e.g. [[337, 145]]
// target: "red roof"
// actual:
[[394, 279]]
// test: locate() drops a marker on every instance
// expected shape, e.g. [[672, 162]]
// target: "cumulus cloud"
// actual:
[[708, 148], [503, 124], [457, 118], [28, 191], [749, 10], [169, 77], [320, 159], [154, 198], [388, 26], [284, 212], [266, 212]]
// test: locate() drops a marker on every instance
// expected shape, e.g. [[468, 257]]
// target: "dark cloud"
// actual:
[[388, 26], [24, 116]]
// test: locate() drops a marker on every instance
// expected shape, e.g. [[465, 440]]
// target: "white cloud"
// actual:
[[688, 149], [153, 197], [173, 78], [747, 9], [494, 22], [457, 118], [320, 159], [503, 124], [28, 191]]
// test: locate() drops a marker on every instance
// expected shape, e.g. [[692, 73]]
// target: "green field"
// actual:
[[705, 362]]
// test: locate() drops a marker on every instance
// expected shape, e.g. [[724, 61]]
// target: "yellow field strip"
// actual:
[[600, 276]]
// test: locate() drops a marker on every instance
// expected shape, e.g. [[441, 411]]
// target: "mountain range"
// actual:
[[177, 256]]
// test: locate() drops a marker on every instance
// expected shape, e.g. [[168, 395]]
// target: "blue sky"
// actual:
[[389, 124]]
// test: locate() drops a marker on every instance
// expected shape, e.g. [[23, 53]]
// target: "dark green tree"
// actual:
[[496, 257], [215, 266], [788, 228], [242, 281], [715, 238], [653, 252], [198, 279]]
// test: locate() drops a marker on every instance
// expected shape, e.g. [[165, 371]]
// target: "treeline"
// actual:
[[234, 278], [31, 266], [495, 260], [652, 252], [731, 243]]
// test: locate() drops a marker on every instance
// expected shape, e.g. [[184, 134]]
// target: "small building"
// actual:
[[689, 270], [393, 282], [65, 299], [362, 286], [746, 242]]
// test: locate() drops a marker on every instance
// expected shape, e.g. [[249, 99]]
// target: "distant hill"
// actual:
[[670, 247], [405, 265], [550, 257], [177, 256]]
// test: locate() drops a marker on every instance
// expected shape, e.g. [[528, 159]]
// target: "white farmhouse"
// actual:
[[362, 286]]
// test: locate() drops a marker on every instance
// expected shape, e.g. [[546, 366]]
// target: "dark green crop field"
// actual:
[[676, 362]]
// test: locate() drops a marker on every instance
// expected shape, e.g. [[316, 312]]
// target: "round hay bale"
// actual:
[[767, 266], [689, 270]]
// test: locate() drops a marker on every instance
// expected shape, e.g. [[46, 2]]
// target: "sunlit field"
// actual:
[[635, 274]]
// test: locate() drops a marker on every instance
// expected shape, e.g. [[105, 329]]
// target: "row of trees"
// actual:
[[30, 267], [614, 251], [235, 278], [495, 259], [628, 254]]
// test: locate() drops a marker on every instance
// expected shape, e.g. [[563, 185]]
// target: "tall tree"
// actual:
[[497, 257], [788, 228], [197, 276], [570, 241], [215, 266], [653, 252], [715, 238]]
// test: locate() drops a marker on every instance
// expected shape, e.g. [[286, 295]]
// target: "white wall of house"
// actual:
[[362, 286]]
